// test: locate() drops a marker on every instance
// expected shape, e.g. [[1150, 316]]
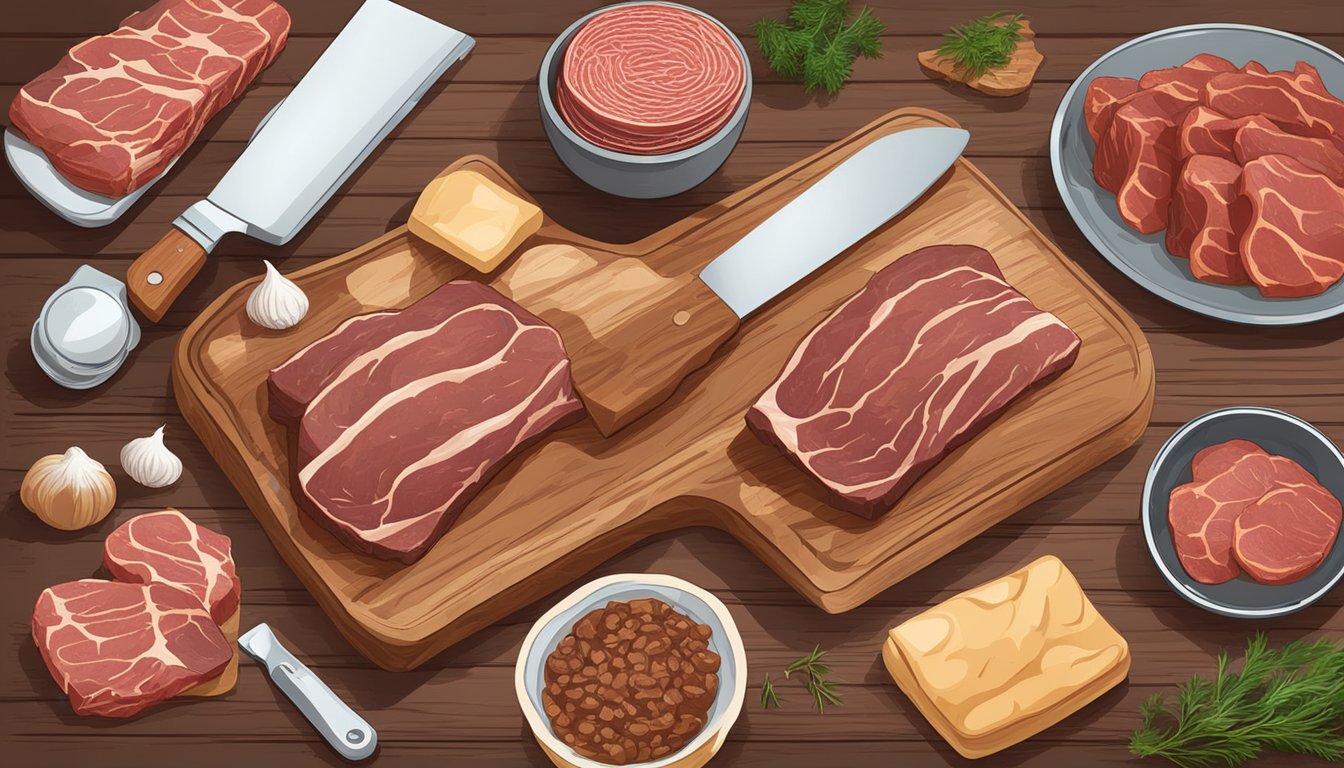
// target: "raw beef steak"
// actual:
[[1215, 459], [1259, 137], [1137, 161], [1193, 73], [1297, 100], [1099, 103], [1295, 243], [1201, 515], [1208, 217], [117, 648], [1286, 534], [165, 546], [1205, 132], [118, 108], [931, 351], [406, 415]]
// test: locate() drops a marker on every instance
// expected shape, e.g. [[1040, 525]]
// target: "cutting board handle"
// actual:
[[631, 332], [159, 276]]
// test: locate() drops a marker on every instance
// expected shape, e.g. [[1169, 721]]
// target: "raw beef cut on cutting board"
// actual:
[[119, 108], [403, 416], [1208, 217], [1294, 245], [167, 547], [1287, 532], [1201, 515], [116, 648], [933, 349]]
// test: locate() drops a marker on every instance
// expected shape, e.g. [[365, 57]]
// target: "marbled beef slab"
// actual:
[[931, 351], [407, 414]]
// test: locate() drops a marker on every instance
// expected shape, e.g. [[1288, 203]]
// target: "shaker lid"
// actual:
[[86, 326]]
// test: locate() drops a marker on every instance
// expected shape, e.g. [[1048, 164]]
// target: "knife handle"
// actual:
[[631, 333], [159, 276]]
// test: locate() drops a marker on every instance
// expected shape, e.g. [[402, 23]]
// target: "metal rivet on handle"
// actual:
[[154, 278], [681, 318], [355, 737]]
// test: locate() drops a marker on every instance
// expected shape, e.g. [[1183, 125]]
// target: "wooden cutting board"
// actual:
[[578, 498]]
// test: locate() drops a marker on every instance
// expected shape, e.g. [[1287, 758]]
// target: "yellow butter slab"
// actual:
[[473, 219], [997, 664]]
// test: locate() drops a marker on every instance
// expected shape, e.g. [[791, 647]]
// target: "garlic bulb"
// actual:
[[149, 462], [276, 303], [69, 491]]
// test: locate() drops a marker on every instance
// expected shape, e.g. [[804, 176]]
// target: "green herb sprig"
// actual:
[[815, 676], [984, 44], [1285, 700], [819, 42]]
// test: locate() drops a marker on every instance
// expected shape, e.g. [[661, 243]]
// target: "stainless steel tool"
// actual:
[[369, 78], [347, 732]]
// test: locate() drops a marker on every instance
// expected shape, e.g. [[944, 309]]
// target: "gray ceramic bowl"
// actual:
[[1278, 433], [1143, 258], [637, 176]]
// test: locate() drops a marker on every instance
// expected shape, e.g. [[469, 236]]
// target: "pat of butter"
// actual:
[[473, 218]]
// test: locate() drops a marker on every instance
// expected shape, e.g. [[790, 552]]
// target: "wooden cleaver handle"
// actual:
[[632, 333], [159, 276]]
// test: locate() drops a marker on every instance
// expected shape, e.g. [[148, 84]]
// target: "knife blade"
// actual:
[[368, 79], [871, 187], [661, 327], [347, 732]]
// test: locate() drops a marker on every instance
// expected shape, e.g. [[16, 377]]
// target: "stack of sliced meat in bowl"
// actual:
[[1243, 167]]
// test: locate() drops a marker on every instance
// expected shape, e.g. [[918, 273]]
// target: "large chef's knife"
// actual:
[[367, 80], [641, 332]]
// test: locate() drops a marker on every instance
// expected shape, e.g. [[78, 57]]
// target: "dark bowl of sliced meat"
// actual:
[[1241, 512], [645, 99]]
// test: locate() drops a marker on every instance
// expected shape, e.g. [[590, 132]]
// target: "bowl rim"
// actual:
[[1112, 254], [1173, 580], [552, 113], [714, 729]]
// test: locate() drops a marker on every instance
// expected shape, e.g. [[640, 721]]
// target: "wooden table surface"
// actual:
[[460, 709]]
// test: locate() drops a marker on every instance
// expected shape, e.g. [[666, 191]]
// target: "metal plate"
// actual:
[[1143, 258], [1278, 433]]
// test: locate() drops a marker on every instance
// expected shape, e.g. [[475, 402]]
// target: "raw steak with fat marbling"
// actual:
[[1205, 132], [1103, 93], [1201, 515], [407, 414], [1286, 533], [1259, 137], [116, 648], [931, 351], [166, 546], [1294, 245], [1208, 217]]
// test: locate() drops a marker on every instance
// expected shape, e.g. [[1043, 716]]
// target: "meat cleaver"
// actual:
[[655, 329], [369, 78]]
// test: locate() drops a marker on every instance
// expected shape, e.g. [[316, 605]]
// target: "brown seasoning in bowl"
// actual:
[[632, 682]]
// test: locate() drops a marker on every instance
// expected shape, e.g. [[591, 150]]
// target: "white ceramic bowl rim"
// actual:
[[549, 61], [715, 728], [1150, 535]]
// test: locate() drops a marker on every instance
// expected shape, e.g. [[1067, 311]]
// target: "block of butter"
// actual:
[[473, 218], [998, 664]]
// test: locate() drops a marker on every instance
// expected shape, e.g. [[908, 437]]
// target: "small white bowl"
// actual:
[[694, 602]]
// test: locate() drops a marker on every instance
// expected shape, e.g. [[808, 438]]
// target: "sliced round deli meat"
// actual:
[[116, 649], [168, 547], [650, 79], [1287, 532]]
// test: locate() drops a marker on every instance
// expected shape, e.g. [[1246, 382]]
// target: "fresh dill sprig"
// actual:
[[820, 42], [769, 697], [816, 677], [1285, 700], [984, 44]]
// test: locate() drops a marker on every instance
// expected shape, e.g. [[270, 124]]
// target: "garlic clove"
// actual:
[[276, 303], [68, 491], [149, 462]]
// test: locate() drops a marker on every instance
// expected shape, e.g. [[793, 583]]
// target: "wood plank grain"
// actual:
[[485, 17]]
